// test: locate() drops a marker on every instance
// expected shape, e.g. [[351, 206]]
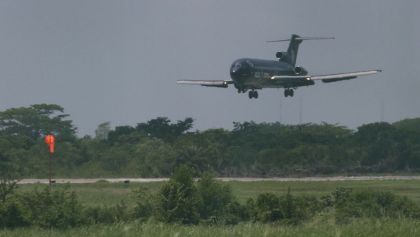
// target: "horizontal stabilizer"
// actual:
[[301, 38]]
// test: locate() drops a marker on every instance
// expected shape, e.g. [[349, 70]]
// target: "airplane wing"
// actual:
[[343, 76], [329, 77], [209, 83]]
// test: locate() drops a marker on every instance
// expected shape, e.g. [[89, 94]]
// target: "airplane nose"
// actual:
[[236, 68], [235, 71]]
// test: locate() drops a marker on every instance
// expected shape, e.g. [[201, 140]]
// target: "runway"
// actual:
[[225, 179]]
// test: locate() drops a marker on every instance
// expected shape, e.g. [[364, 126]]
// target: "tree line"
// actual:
[[155, 148]]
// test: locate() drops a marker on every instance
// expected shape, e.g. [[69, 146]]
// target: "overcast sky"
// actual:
[[118, 61]]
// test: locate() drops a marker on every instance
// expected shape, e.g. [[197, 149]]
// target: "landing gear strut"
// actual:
[[288, 92], [253, 94]]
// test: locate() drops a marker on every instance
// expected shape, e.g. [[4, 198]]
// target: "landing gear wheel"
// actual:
[[288, 92], [253, 94]]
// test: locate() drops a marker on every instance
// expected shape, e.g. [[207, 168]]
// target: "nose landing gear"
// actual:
[[288, 92], [253, 94]]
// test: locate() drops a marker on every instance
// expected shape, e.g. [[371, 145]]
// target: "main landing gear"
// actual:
[[288, 92], [253, 94]]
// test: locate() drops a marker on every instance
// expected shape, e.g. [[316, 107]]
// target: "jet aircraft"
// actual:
[[249, 74]]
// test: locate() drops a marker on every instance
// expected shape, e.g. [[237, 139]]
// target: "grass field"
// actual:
[[109, 194], [359, 228], [103, 193]]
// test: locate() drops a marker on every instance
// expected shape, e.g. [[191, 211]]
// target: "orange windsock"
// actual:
[[50, 140]]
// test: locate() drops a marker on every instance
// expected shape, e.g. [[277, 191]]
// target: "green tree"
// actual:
[[36, 120], [119, 132], [380, 142], [153, 158], [9, 174], [162, 128]]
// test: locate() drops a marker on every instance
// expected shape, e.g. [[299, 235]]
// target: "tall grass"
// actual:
[[323, 228]]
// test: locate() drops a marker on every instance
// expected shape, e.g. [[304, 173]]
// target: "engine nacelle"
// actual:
[[300, 71], [281, 55]]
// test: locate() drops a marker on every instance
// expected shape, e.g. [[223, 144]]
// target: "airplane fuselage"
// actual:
[[249, 73]]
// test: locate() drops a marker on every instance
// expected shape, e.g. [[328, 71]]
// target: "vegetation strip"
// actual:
[[156, 147], [182, 201]]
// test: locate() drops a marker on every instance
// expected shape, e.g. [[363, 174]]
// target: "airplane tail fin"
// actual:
[[295, 41]]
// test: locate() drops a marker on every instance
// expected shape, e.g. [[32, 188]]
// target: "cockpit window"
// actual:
[[236, 66], [250, 63]]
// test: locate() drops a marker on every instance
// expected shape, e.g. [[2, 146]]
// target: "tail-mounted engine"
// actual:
[[281, 56], [300, 71]]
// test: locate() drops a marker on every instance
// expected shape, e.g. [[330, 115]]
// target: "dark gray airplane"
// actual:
[[254, 74]]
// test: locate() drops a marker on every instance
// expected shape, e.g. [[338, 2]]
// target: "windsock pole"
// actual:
[[50, 169], [50, 140]]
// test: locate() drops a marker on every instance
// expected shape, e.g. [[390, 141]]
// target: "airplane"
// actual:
[[255, 74]]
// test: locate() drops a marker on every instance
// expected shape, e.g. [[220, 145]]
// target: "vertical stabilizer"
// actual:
[[292, 51]]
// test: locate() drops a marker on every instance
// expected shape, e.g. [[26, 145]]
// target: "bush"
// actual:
[[286, 208], [371, 204], [268, 208], [177, 201], [181, 201], [300, 208], [145, 204], [235, 212], [47, 208], [214, 198], [12, 214]]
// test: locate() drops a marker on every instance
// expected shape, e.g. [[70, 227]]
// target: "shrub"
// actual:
[[46, 208], [286, 208], [298, 209], [177, 201], [268, 208], [214, 198], [145, 204], [372, 204], [235, 212], [12, 214]]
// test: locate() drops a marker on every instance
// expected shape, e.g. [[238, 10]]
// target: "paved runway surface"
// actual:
[[248, 179]]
